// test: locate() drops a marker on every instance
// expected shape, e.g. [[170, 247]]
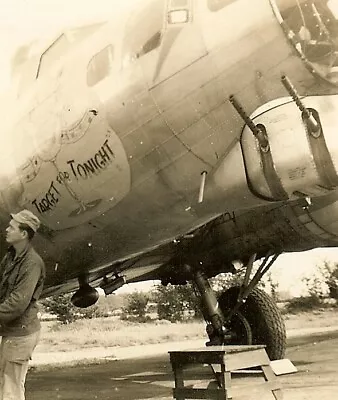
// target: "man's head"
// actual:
[[22, 227]]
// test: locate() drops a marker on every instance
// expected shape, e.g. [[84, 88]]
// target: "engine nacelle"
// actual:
[[297, 162]]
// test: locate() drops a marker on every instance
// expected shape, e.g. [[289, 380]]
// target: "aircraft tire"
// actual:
[[265, 320]]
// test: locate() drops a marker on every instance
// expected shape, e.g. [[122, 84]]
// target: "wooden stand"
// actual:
[[229, 358]]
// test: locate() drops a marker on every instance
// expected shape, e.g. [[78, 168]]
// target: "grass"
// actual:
[[111, 332], [319, 318], [108, 332]]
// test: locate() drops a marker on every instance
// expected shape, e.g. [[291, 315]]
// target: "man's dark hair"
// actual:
[[28, 229]]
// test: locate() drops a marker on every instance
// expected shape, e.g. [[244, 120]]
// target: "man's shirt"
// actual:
[[21, 283]]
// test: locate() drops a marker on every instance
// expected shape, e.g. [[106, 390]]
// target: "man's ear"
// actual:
[[25, 234]]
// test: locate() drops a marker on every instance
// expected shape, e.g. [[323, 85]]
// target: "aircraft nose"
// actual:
[[311, 27], [301, 159]]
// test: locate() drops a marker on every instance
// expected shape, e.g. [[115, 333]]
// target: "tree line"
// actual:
[[181, 303]]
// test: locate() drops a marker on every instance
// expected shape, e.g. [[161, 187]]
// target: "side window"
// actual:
[[179, 12], [100, 65], [151, 44], [216, 5], [143, 32]]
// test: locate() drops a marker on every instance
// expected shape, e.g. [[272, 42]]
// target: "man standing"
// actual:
[[22, 273]]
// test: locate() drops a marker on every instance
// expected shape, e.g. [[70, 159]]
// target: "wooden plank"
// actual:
[[224, 382], [197, 358], [251, 394], [249, 359], [278, 394], [221, 349], [282, 367], [228, 390], [190, 393], [228, 358], [271, 379], [210, 355], [268, 373], [178, 374]]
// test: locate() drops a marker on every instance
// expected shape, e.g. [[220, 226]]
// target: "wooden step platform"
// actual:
[[228, 359]]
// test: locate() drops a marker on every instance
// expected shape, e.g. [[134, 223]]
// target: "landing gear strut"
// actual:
[[242, 315], [210, 308]]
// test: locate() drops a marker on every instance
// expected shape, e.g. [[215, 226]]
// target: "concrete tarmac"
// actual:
[[150, 377]]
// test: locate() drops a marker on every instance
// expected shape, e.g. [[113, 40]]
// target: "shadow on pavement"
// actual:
[[152, 378], [119, 380]]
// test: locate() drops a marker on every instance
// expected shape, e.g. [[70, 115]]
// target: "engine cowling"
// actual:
[[298, 162]]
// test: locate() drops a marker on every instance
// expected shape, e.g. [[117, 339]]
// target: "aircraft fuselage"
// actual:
[[108, 139]]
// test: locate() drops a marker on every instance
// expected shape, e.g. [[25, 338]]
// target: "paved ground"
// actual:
[[150, 377]]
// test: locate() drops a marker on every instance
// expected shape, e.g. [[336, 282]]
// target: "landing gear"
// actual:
[[243, 315], [262, 316], [240, 331]]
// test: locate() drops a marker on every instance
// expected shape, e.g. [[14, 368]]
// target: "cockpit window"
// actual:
[[143, 32], [216, 5], [100, 65], [312, 27], [53, 54], [63, 44]]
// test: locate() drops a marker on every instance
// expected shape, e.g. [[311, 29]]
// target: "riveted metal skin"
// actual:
[[109, 128]]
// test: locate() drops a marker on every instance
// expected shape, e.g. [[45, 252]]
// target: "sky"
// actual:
[[24, 20], [289, 271]]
